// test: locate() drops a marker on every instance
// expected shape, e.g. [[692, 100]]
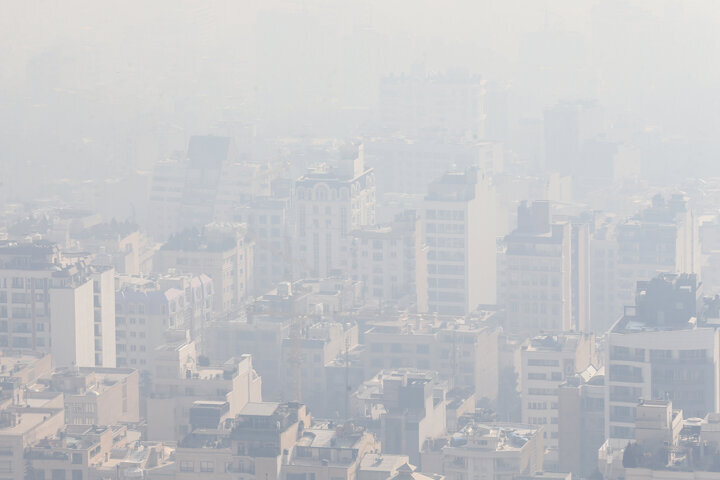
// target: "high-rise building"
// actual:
[[581, 421], [56, 305], [537, 272], [391, 262], [568, 126], [463, 351], [222, 251], [329, 205], [269, 222], [661, 350], [661, 238], [205, 184], [547, 362], [149, 309], [449, 106], [409, 165], [459, 216], [604, 306]]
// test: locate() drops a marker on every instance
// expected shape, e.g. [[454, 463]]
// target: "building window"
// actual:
[[187, 466], [58, 474], [207, 467]]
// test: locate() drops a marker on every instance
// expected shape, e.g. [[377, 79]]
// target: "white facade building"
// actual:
[[459, 215], [329, 205]]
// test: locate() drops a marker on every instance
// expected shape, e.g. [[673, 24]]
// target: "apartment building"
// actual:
[[408, 406], [449, 105], [269, 222], [240, 184], [166, 191], [178, 381], [73, 452], [581, 421], [96, 395], [380, 466], [149, 309], [391, 262], [495, 451], [329, 205], [546, 362], [459, 217], [20, 368], [662, 349], [463, 351], [56, 305], [667, 445], [21, 425], [327, 452], [221, 251], [185, 188], [605, 308], [117, 244], [663, 238], [293, 336], [305, 354], [537, 272], [252, 445]]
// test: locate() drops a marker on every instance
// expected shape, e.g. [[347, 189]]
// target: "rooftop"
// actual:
[[260, 409], [489, 436], [329, 438]]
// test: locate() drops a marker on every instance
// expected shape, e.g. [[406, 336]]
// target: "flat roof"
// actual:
[[260, 409], [378, 462]]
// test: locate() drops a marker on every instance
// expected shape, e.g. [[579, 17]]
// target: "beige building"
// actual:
[[57, 305], [152, 310], [547, 362], [487, 452], [663, 349], [253, 445], [380, 466], [459, 230], [409, 405], [325, 452], [222, 251], [117, 244], [73, 452], [666, 446], [304, 359], [391, 262], [581, 421], [329, 205], [663, 238], [463, 350], [604, 306], [98, 396], [178, 381], [18, 369], [22, 425], [536, 263]]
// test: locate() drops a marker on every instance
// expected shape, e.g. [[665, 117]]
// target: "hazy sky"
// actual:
[[134, 72]]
